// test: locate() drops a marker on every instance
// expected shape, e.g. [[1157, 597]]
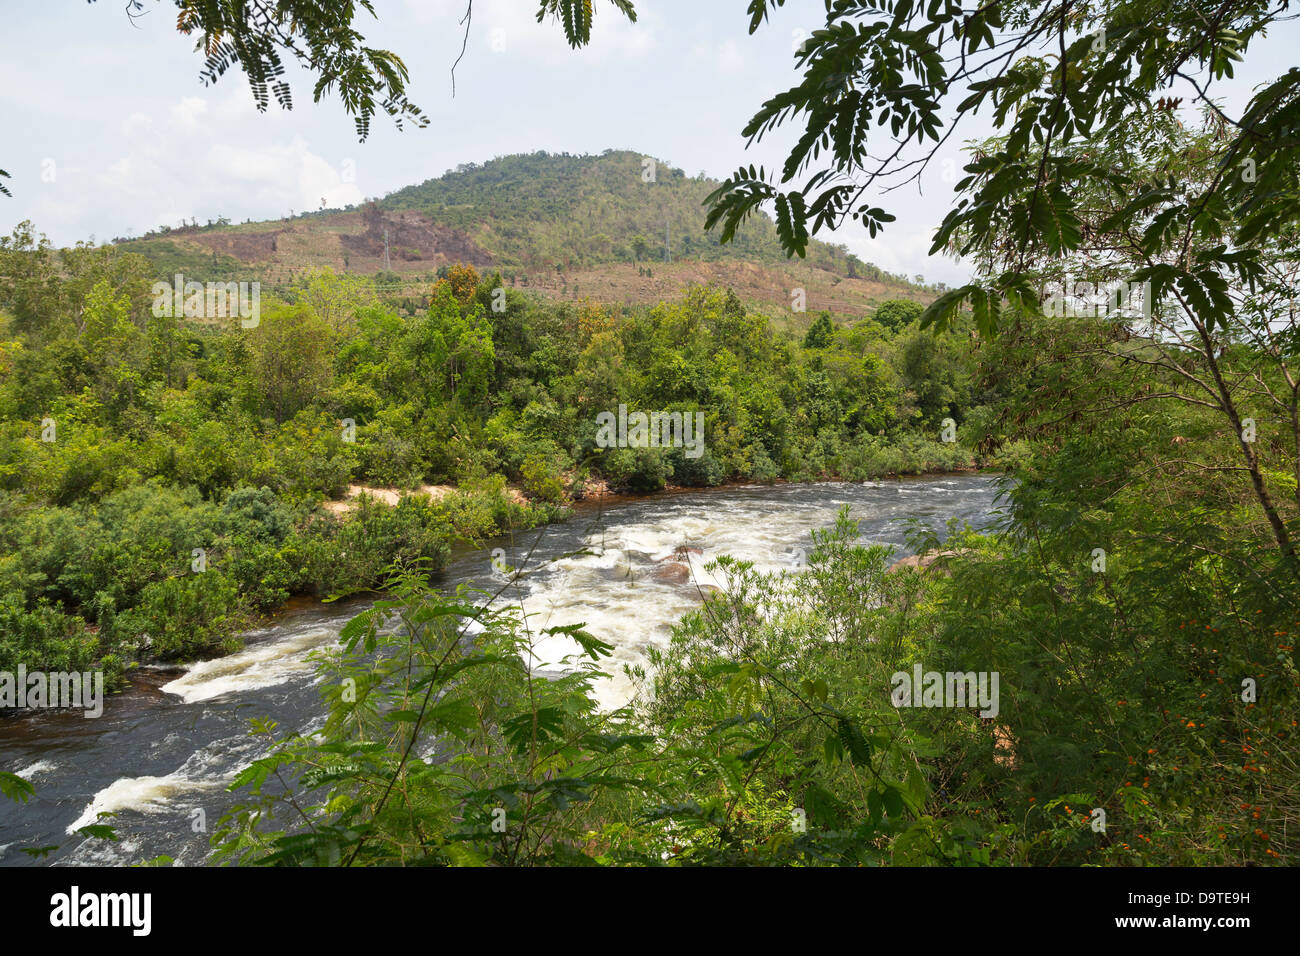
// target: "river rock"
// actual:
[[921, 562], [672, 572]]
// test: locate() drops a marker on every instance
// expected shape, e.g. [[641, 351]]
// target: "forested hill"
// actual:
[[619, 227], [543, 209]]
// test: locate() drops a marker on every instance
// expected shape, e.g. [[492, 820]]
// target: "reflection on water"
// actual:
[[168, 748]]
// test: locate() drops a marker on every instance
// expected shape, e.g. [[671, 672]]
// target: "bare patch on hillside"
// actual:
[[353, 242], [245, 246], [413, 239]]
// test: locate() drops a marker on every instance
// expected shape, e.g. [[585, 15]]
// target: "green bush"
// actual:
[[183, 617], [541, 480], [354, 554], [702, 472], [893, 314], [49, 640], [760, 466]]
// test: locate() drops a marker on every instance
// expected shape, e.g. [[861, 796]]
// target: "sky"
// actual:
[[108, 130]]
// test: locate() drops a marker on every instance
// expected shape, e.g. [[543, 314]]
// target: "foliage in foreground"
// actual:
[[766, 733]]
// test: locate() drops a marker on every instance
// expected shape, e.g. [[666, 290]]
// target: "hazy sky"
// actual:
[[109, 132]]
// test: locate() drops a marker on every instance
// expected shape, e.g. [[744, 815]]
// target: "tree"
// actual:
[[1064, 82], [893, 314], [452, 350], [290, 359], [1055, 75], [29, 285], [1161, 275], [336, 298], [931, 373], [112, 343], [464, 281], [166, 346], [820, 333]]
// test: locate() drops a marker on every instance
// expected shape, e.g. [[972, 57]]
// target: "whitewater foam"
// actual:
[[262, 665]]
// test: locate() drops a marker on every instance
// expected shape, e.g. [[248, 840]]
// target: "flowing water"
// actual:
[[166, 750]]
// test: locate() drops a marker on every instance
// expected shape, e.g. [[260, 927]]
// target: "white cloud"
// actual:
[[238, 105], [613, 38], [188, 114], [730, 60], [136, 125], [223, 173], [905, 252]]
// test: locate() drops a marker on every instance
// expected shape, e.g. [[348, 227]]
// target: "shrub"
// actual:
[[893, 314], [541, 480], [180, 617], [705, 471], [47, 639], [760, 466], [351, 555]]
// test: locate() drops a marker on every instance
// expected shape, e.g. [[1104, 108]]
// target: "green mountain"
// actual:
[[541, 209], [619, 227]]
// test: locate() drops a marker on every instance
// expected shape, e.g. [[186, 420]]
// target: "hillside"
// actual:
[[539, 210], [611, 227]]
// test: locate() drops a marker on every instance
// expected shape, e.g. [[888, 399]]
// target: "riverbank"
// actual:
[[173, 740], [257, 580], [589, 503], [159, 575]]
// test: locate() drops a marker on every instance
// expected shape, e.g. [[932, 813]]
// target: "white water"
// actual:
[[619, 596], [255, 667], [615, 590], [154, 764]]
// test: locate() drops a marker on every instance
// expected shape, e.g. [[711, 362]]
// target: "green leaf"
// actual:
[[15, 787], [834, 750], [99, 831], [941, 311], [591, 646], [875, 806], [854, 742], [893, 800]]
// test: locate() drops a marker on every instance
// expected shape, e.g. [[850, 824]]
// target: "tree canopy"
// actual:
[[1058, 77]]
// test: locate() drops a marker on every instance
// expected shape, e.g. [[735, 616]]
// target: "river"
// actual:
[[169, 746]]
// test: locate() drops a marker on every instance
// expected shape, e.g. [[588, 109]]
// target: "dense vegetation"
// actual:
[[765, 734], [1135, 605], [162, 479], [1139, 601]]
